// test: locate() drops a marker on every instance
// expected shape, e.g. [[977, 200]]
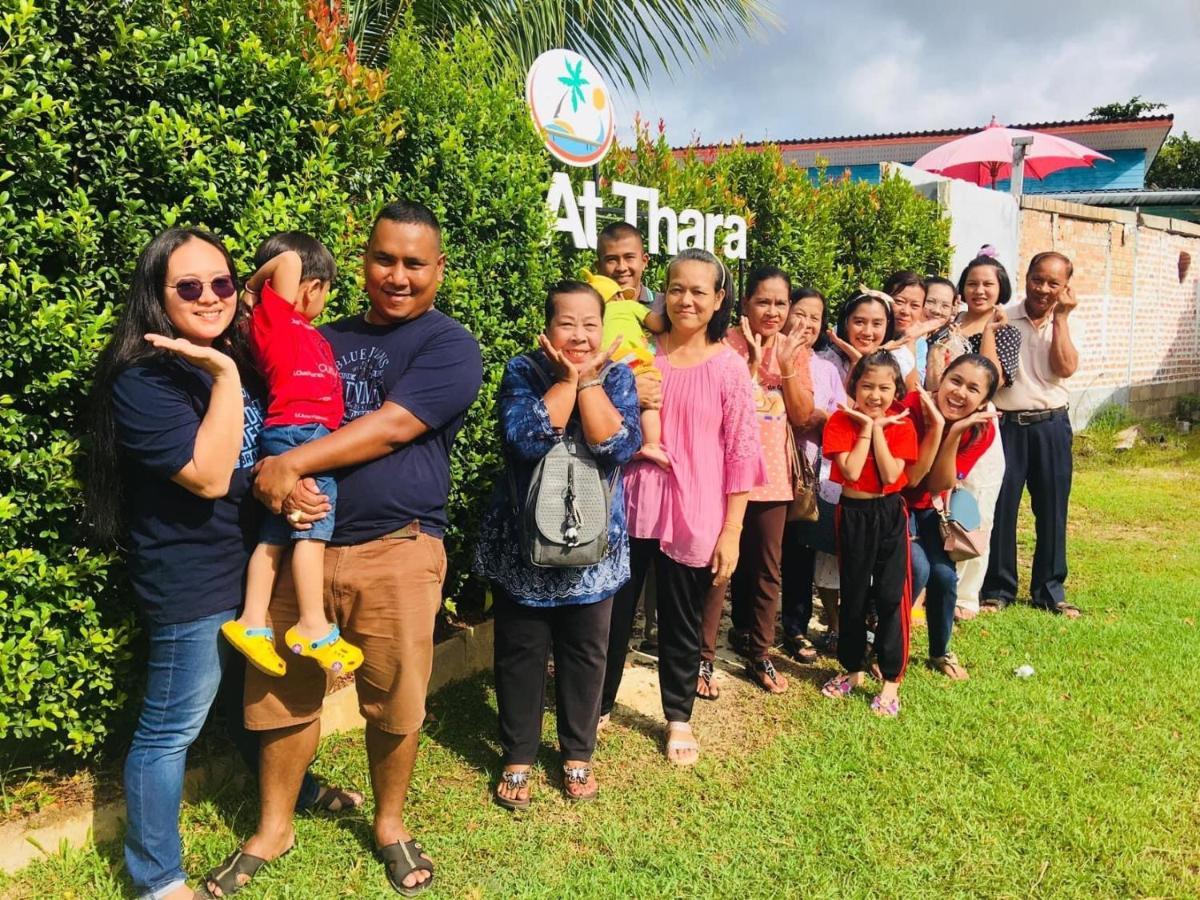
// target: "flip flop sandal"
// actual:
[[227, 876], [886, 709], [949, 666], [763, 671], [580, 775], [331, 801], [400, 860], [1060, 609], [706, 675], [257, 645], [332, 652], [515, 781], [838, 687], [688, 743]]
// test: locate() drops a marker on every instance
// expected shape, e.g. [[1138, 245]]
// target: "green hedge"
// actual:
[[119, 118]]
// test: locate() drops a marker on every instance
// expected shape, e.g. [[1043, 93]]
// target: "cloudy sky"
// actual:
[[864, 66]]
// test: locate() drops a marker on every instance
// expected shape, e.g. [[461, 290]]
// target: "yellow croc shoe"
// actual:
[[331, 652], [257, 645]]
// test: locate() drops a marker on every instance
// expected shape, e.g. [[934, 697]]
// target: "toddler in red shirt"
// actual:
[[304, 402], [871, 444]]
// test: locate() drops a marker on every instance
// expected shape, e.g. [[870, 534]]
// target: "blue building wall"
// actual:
[[1127, 171]]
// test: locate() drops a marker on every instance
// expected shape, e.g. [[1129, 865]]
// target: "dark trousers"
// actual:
[[1038, 455], [797, 568], [874, 568], [524, 636], [934, 572], [754, 588], [681, 592]]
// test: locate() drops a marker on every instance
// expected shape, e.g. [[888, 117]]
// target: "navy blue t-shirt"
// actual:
[[431, 366], [188, 555]]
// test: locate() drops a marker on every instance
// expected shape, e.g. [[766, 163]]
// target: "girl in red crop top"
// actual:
[[873, 446]]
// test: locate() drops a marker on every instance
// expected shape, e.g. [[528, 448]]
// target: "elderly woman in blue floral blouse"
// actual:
[[567, 608]]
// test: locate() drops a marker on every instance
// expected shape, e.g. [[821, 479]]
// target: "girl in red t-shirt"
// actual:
[[968, 385], [872, 443]]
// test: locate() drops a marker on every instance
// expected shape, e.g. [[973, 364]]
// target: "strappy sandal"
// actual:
[[949, 666], [578, 775], [228, 875], [331, 801], [838, 687], [706, 677], [885, 709], [684, 743], [400, 860], [515, 781], [763, 674], [993, 604], [801, 648], [1063, 608]]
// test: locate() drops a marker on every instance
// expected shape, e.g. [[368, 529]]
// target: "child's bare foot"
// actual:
[[655, 454]]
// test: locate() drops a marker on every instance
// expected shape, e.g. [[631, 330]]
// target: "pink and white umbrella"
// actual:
[[986, 156]]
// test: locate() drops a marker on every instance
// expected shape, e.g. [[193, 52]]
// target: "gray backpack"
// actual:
[[563, 517]]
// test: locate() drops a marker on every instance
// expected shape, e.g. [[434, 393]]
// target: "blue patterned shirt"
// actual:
[[527, 436]]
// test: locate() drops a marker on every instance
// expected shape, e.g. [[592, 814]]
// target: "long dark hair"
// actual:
[[722, 281], [143, 313]]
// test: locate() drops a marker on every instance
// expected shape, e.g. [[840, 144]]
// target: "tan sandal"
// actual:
[[674, 745], [949, 666]]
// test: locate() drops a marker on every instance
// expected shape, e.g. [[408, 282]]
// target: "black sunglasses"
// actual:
[[191, 289]]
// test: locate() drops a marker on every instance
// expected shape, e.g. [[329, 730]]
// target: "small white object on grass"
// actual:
[[1025, 671]]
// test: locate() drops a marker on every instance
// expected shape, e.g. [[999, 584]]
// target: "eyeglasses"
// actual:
[[191, 289]]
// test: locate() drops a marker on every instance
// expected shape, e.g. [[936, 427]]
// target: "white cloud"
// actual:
[[874, 65]]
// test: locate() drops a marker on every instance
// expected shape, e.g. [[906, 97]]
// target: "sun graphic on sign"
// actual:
[[571, 107]]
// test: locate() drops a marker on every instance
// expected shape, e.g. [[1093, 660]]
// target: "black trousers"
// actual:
[[798, 569], [1038, 455], [874, 565], [524, 636], [681, 591]]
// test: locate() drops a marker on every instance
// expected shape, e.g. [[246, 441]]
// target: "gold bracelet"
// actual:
[[587, 384]]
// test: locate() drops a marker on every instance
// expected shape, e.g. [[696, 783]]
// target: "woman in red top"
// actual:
[[870, 443], [967, 386]]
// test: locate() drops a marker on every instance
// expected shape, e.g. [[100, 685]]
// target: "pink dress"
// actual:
[[710, 431]]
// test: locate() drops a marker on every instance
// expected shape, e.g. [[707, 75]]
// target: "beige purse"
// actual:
[[803, 507]]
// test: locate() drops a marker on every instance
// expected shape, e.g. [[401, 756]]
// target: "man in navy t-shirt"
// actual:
[[409, 373]]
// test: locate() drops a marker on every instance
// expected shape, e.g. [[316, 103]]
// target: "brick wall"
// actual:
[[1138, 325]]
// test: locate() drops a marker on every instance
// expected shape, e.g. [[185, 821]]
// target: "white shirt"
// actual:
[[1035, 386]]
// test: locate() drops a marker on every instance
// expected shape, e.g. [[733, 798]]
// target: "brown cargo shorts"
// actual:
[[384, 595]]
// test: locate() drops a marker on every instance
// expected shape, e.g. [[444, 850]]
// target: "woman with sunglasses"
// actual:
[[175, 438]]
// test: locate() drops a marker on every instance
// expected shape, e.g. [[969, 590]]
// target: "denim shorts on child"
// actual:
[[277, 439]]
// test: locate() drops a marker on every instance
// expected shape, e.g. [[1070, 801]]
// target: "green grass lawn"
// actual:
[[1083, 781]]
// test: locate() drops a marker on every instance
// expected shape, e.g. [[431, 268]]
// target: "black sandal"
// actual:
[[993, 604], [801, 648], [764, 669], [226, 875], [331, 801], [706, 675], [515, 780], [400, 860], [1062, 608]]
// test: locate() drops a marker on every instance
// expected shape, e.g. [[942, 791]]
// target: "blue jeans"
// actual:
[[939, 577], [184, 672]]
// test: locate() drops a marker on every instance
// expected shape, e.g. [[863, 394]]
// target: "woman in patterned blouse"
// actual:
[[985, 288], [566, 608]]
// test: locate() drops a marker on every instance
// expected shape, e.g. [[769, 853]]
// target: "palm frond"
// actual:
[[625, 39]]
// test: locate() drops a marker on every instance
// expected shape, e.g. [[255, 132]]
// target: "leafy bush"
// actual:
[[830, 235], [122, 118]]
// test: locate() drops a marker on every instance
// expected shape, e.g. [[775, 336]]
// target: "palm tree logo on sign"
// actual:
[[571, 107]]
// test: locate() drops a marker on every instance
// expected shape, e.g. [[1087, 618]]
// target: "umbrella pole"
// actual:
[[1020, 144]]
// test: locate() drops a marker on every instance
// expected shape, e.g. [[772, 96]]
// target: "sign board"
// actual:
[[573, 112]]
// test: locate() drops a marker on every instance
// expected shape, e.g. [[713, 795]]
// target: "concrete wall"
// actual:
[[1138, 322]]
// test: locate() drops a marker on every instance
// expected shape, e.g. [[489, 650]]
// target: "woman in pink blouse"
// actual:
[[783, 396], [686, 522]]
